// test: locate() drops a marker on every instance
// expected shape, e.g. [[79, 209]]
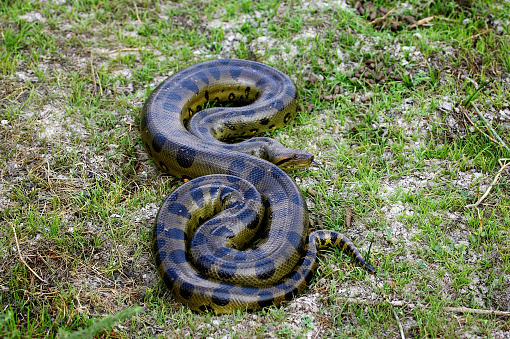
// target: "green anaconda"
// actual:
[[205, 230]]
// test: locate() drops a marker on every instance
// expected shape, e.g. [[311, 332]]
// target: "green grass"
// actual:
[[81, 193]]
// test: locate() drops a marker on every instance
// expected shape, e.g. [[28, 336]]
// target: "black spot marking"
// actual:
[[222, 251], [265, 299], [179, 209], [213, 221], [334, 237], [231, 97], [295, 276], [202, 130], [287, 117], [172, 197], [198, 196], [320, 234], [213, 190], [198, 240], [251, 194], [308, 275], [227, 270], [160, 227], [158, 142], [186, 156], [226, 286], [233, 179], [261, 82], [272, 127], [190, 85], [170, 277], [225, 192], [291, 92], [190, 111], [240, 257], [205, 309], [291, 294], [269, 95], [186, 290], [222, 231], [170, 107], [247, 91], [254, 130], [204, 263], [249, 217], [277, 172], [229, 125], [234, 187], [163, 166], [202, 76], [236, 205], [306, 262], [172, 273], [295, 240], [248, 112], [235, 72], [172, 96], [236, 167], [264, 121], [221, 296], [249, 290], [177, 256], [198, 108], [215, 72], [206, 95], [256, 175], [264, 269], [168, 283], [175, 233], [297, 199], [278, 197]]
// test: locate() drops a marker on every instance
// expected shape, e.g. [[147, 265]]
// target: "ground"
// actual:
[[405, 104]]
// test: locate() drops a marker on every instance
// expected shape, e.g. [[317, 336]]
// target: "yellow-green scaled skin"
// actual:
[[203, 236]]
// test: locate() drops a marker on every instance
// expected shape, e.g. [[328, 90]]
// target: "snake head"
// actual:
[[289, 159]]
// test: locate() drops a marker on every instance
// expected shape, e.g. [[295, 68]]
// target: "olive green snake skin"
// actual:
[[205, 236]]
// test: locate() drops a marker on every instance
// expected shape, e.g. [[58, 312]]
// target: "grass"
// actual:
[[81, 193]]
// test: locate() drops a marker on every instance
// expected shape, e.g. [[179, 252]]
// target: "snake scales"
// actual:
[[204, 231]]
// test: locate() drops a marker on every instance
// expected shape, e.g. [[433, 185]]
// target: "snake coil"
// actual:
[[205, 230]]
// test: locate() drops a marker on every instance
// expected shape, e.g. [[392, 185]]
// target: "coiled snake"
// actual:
[[204, 232]]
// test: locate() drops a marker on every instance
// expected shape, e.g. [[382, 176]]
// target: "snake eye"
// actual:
[[295, 156]]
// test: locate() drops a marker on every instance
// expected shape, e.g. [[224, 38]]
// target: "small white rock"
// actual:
[[33, 16]]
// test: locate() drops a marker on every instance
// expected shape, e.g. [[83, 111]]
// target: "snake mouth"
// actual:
[[295, 161]]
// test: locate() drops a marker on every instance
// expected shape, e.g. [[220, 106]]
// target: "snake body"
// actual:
[[204, 233]]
